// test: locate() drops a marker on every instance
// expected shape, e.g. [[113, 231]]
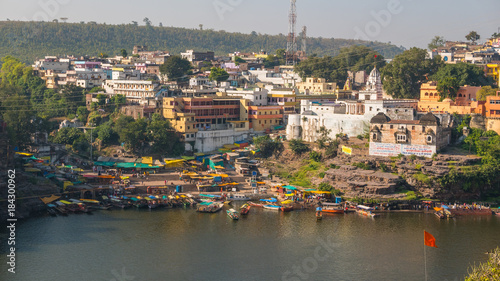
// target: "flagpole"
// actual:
[[425, 259]]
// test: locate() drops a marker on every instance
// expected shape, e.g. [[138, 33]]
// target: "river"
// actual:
[[181, 244]]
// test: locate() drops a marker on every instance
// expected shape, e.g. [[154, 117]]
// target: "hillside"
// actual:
[[30, 40]]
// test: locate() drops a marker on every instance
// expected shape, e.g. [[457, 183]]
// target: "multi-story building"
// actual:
[[133, 90], [256, 96], [492, 106], [316, 86], [493, 71], [265, 118], [422, 137], [191, 56], [465, 100]]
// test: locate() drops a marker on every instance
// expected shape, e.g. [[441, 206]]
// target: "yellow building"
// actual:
[[316, 86], [493, 71], [464, 104], [183, 123], [265, 118]]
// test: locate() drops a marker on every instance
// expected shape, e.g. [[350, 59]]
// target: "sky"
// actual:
[[410, 23]]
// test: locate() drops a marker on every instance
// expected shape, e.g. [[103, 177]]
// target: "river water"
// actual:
[[181, 244]]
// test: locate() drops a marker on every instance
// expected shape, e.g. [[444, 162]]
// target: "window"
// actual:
[[429, 139], [413, 128], [374, 137], [392, 126], [401, 138], [423, 129]]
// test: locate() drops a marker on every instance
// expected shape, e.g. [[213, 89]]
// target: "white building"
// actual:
[[256, 96], [373, 89]]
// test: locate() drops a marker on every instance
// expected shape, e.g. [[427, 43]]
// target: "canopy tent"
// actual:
[[78, 169], [320, 192], [286, 202], [209, 195], [219, 175], [289, 187], [289, 194], [24, 154], [188, 158], [219, 167], [135, 165], [104, 164], [310, 189]]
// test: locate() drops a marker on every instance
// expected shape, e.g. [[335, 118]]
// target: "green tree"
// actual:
[[218, 74], [17, 113], [436, 42], [448, 87], [451, 76], [135, 135], [68, 135], [175, 67], [106, 134], [123, 53], [404, 75], [472, 36], [101, 100], [147, 22], [239, 60], [267, 146], [164, 138], [486, 91], [82, 113], [298, 146]]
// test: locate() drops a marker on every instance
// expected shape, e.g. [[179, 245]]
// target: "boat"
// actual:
[[232, 214], [210, 207], [245, 209], [319, 213], [60, 207], [51, 209], [228, 202], [286, 208], [255, 204], [365, 211], [272, 207], [332, 208], [239, 197]]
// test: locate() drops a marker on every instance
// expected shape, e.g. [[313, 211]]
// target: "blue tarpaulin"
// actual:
[[269, 200]]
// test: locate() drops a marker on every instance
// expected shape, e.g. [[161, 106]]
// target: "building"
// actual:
[[493, 71], [465, 100], [134, 90], [256, 96], [138, 111], [492, 106], [192, 56], [373, 88], [422, 137], [316, 86], [265, 118]]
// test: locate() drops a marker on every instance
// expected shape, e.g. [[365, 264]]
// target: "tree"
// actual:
[[82, 113], [123, 53], [484, 92], [134, 23], [17, 113], [106, 134], [175, 67], [472, 36], [404, 75], [218, 74], [267, 146], [437, 41], [147, 22], [495, 35], [298, 146], [135, 134], [448, 87], [239, 60], [451, 76], [164, 138], [68, 135]]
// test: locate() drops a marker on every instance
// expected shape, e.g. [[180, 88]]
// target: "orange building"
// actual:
[[465, 101], [492, 106], [265, 118]]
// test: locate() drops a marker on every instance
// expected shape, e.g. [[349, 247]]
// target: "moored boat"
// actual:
[[272, 207], [232, 214], [365, 211], [245, 209], [210, 207], [253, 204], [238, 197], [332, 208]]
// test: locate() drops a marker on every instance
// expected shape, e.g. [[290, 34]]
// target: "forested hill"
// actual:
[[30, 40]]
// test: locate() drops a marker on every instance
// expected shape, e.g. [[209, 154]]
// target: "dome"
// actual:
[[447, 100], [429, 119], [380, 118]]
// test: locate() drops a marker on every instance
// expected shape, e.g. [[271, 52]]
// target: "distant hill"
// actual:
[[30, 40]]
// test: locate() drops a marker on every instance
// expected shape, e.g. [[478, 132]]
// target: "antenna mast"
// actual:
[[291, 47]]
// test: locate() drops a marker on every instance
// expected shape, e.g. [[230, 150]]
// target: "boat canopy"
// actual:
[[287, 202], [330, 204], [290, 187], [269, 200], [210, 195], [50, 199], [364, 207], [134, 199]]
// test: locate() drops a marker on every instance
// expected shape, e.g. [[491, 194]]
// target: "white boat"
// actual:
[[272, 207]]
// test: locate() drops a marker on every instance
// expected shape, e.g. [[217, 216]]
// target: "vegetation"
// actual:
[[436, 42], [324, 186], [403, 76], [267, 146], [29, 40], [362, 166], [486, 91], [298, 146], [450, 77], [176, 67], [472, 36], [218, 74], [315, 156], [487, 271]]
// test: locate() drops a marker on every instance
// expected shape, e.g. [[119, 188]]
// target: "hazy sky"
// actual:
[[402, 22]]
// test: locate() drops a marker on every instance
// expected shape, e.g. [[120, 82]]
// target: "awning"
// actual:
[[287, 202], [104, 164], [290, 187], [50, 199], [269, 200]]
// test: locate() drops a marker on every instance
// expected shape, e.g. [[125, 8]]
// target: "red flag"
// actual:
[[429, 240]]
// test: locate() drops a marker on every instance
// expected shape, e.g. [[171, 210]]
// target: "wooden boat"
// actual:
[[61, 208], [332, 208], [210, 207], [255, 204], [440, 215], [365, 211], [51, 209], [245, 209], [228, 202], [272, 207], [286, 208], [319, 216], [232, 214]]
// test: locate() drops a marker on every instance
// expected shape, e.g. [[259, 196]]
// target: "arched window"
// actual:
[[426, 94], [374, 137]]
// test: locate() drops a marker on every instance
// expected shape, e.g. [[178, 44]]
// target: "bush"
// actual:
[[489, 270], [422, 178], [298, 147], [333, 166], [362, 166], [383, 167], [315, 156], [324, 186], [321, 175], [418, 167], [413, 157], [359, 137]]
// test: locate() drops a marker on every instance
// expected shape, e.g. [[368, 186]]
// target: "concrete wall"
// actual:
[[352, 125], [493, 124], [207, 141]]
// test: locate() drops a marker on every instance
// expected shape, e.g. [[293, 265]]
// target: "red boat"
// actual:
[[255, 204], [287, 208], [245, 209]]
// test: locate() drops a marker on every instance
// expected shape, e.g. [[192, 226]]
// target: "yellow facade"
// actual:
[[316, 86], [493, 71], [264, 118], [182, 122]]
